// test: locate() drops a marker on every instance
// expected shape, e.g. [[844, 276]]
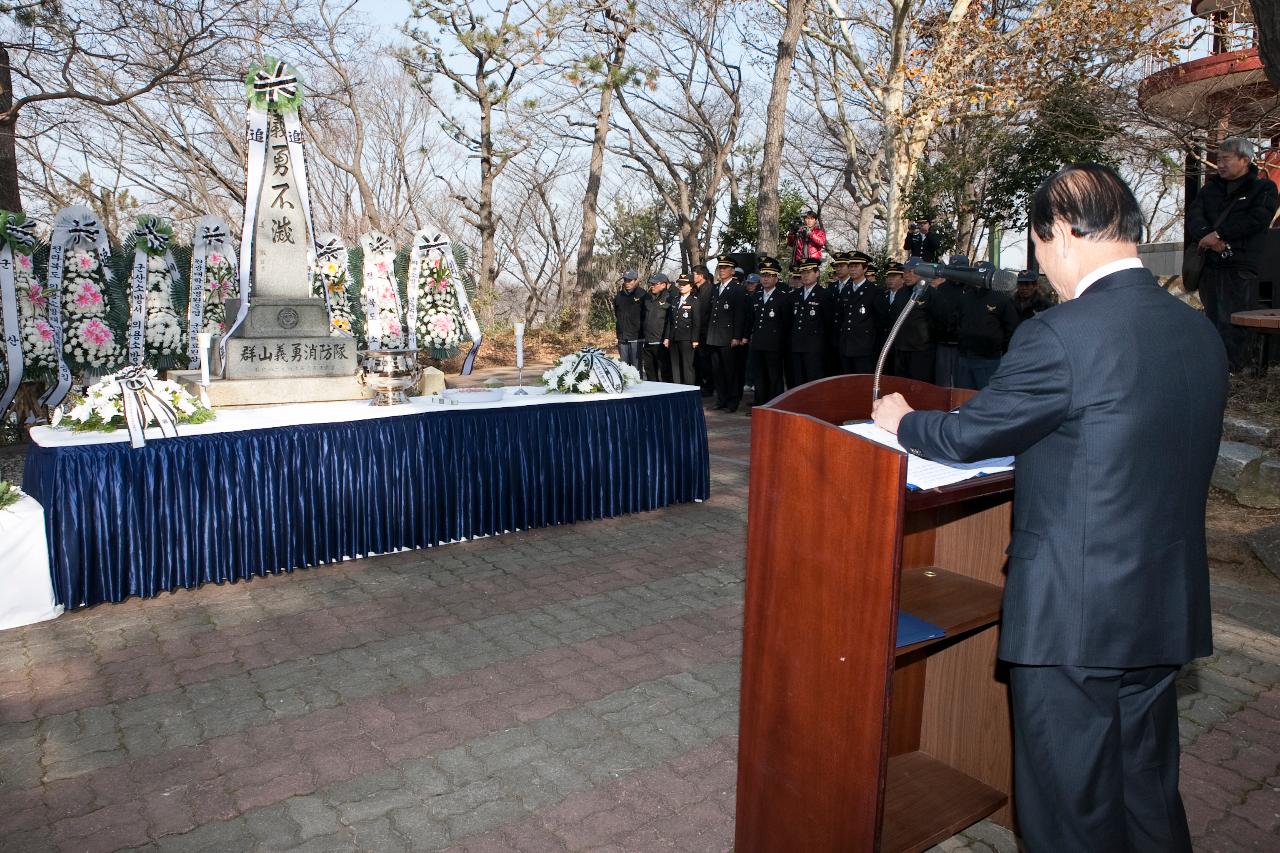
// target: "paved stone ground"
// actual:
[[572, 688]]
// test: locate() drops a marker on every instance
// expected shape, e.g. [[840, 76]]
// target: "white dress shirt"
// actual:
[[1106, 270]]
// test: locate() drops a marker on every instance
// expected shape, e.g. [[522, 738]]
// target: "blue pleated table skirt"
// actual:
[[224, 506]]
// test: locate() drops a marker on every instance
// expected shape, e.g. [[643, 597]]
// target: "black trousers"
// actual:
[[657, 363], [1224, 292], [682, 371], [914, 365], [726, 375], [807, 366], [857, 364], [1095, 757], [768, 369], [702, 366]]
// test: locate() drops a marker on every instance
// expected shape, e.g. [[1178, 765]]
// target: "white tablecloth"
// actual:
[[293, 414], [26, 593]]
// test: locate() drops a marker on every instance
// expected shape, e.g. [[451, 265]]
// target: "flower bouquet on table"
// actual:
[[102, 408], [590, 371]]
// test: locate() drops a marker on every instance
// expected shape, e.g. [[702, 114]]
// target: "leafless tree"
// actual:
[[771, 166]]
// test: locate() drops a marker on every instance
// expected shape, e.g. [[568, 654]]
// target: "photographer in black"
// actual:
[[920, 242]]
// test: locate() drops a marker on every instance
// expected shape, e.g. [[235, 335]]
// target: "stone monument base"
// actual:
[[303, 389]]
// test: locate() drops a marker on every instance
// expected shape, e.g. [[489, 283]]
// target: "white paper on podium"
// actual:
[[925, 474]]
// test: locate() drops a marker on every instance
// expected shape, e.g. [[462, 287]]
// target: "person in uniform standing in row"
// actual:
[[944, 313], [702, 288], [628, 317], [813, 313], [987, 322], [913, 350], [838, 286], [684, 324], [862, 316], [657, 361], [1028, 301], [770, 326], [727, 327]]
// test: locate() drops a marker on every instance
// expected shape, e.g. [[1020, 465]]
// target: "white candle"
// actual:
[[519, 344], [203, 339]]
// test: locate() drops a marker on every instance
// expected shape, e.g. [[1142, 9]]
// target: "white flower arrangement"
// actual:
[[164, 333], [87, 340], [101, 409], [439, 320], [331, 276], [577, 372], [33, 322]]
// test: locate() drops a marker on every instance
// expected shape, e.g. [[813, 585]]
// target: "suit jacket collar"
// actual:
[[1117, 280]]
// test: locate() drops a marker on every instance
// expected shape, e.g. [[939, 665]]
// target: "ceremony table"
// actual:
[[267, 490], [26, 595]]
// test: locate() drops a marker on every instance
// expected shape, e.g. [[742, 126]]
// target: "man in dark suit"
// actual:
[[1112, 403], [812, 319], [770, 325], [727, 326]]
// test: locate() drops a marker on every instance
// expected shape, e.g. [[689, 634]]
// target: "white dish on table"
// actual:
[[473, 395]]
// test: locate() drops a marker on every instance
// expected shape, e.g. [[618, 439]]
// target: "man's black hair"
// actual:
[[1091, 198]]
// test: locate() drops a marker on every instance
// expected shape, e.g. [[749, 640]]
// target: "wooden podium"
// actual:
[[848, 743]]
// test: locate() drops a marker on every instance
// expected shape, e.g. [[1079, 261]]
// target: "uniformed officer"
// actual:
[[987, 320], [657, 361], [944, 312], [1028, 301], [770, 327], [838, 286], [684, 324], [702, 288], [628, 315], [863, 316], [727, 328], [812, 318], [912, 349]]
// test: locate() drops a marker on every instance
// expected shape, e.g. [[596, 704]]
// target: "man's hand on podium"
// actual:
[[887, 412]]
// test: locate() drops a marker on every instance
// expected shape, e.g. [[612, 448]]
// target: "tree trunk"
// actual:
[[586, 272], [1266, 15], [10, 195], [775, 118], [486, 283]]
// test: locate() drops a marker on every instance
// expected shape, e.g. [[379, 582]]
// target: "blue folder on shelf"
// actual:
[[913, 630]]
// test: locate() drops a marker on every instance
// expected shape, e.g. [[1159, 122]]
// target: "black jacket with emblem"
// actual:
[[684, 320], [862, 316], [655, 317], [914, 334], [987, 321], [730, 315], [628, 313], [812, 320], [770, 321]]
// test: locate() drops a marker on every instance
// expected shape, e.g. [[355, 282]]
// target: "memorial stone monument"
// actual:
[[280, 350]]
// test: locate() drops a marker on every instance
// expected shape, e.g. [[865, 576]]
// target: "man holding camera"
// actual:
[[921, 242], [806, 239]]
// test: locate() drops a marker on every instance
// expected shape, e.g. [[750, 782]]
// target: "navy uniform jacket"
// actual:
[[914, 334], [684, 322], [730, 316], [1112, 404], [812, 319], [770, 321], [862, 317]]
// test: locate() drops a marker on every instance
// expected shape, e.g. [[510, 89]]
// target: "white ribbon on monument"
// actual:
[[211, 237], [444, 246], [72, 227], [275, 83], [14, 234]]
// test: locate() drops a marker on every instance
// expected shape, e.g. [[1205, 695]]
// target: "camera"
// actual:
[[795, 224]]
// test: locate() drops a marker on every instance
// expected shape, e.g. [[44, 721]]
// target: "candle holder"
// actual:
[[520, 391]]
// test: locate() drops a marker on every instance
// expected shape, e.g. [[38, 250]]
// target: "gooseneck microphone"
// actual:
[[916, 292]]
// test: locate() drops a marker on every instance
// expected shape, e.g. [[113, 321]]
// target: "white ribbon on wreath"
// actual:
[[276, 90], [445, 245], [141, 403], [379, 269], [151, 237], [22, 234], [72, 226], [602, 367], [211, 237]]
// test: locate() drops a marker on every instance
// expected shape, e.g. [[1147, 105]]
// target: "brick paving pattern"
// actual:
[[566, 689]]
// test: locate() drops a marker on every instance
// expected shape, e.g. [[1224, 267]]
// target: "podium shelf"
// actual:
[[954, 603], [927, 801], [978, 487]]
